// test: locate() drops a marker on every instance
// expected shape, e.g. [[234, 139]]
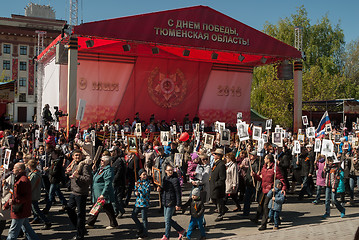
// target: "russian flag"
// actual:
[[321, 127]]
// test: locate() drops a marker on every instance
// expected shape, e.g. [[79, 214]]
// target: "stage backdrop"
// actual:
[[168, 88]]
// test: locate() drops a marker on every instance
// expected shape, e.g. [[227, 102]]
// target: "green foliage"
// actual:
[[324, 46]]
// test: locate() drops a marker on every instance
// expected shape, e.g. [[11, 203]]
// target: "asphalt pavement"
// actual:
[[300, 220]]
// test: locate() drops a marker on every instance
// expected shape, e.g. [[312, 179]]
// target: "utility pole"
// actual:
[[298, 80]]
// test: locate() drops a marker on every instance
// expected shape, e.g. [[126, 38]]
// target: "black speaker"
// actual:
[[126, 48], [186, 52], [89, 43], [214, 55], [155, 50]]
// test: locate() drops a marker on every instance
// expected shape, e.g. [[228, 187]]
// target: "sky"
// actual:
[[252, 13]]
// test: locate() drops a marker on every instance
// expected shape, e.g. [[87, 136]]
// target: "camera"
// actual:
[[59, 113]]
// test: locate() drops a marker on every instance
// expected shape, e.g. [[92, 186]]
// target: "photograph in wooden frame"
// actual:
[[156, 173], [132, 143]]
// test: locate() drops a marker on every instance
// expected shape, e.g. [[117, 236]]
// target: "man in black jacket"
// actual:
[[307, 163], [217, 183]]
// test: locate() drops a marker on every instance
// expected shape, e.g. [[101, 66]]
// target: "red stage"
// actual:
[[192, 60]]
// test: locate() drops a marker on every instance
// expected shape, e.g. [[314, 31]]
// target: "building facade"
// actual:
[[19, 41]]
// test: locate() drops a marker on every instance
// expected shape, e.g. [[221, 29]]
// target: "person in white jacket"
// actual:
[[232, 180]]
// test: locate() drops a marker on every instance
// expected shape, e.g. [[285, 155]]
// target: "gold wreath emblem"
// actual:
[[167, 91], [82, 83]]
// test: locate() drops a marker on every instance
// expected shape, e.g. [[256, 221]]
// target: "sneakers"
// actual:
[[275, 228], [325, 216], [343, 213], [181, 234], [164, 238], [315, 202]]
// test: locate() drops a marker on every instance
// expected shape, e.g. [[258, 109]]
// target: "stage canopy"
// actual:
[[193, 60]]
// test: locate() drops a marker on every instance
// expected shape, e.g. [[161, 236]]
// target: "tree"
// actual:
[[323, 45]]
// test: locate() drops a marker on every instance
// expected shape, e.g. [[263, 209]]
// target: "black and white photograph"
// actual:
[[242, 129], [278, 129], [123, 134], [301, 138], [138, 130], [178, 159], [269, 124], [305, 120], [239, 117], [328, 128], [156, 173], [257, 133], [296, 147], [208, 141], [317, 145], [277, 138], [202, 125], [355, 142], [310, 132], [350, 138], [7, 158], [225, 137], [265, 138], [165, 137], [327, 147], [132, 143], [197, 127], [260, 145], [186, 127], [174, 130]]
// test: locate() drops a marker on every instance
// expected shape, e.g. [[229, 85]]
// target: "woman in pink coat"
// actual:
[[320, 164]]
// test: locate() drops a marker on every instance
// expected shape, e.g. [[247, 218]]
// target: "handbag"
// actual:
[[97, 207]]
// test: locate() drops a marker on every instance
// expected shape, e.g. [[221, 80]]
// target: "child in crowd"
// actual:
[[320, 164], [197, 213], [142, 192], [275, 203]]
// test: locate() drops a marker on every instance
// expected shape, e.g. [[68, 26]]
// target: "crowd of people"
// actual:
[[44, 162]]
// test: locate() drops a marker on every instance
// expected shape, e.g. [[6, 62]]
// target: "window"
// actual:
[[7, 79], [22, 97], [6, 65], [7, 48], [22, 82], [22, 66], [23, 50]]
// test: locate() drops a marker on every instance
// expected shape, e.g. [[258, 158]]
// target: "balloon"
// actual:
[[184, 137]]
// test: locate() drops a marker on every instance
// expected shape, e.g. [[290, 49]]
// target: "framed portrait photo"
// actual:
[[277, 139], [132, 144], [317, 145], [327, 147], [178, 159], [265, 138], [208, 141], [165, 137], [269, 124], [257, 133], [7, 158], [242, 131], [156, 173], [310, 132], [296, 147], [305, 120], [301, 138], [225, 137], [138, 130]]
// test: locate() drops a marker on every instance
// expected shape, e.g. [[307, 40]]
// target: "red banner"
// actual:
[[31, 82]]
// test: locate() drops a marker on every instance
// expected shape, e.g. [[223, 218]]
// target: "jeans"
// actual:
[[22, 223], [141, 227], [319, 188], [77, 219], [250, 190], [168, 212], [275, 215], [196, 221], [55, 189], [37, 212], [118, 204], [333, 196], [352, 185]]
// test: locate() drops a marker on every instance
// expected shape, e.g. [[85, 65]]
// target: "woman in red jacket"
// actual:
[[267, 178]]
